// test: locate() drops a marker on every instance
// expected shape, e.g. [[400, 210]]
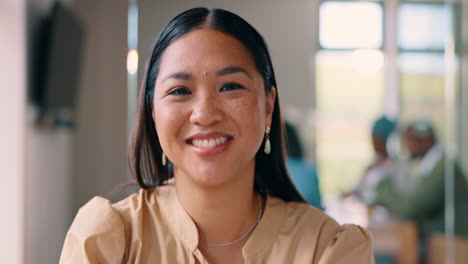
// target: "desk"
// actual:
[[396, 238], [437, 250]]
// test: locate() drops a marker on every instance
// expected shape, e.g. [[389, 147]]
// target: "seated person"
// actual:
[[303, 175], [381, 166], [425, 203]]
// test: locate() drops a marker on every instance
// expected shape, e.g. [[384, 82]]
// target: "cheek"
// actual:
[[167, 122], [251, 113]]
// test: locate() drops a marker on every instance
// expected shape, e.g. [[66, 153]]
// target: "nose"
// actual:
[[206, 111]]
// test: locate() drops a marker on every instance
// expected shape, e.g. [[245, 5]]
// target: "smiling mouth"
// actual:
[[209, 143]]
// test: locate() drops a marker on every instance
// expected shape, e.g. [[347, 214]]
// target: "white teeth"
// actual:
[[209, 143], [212, 143]]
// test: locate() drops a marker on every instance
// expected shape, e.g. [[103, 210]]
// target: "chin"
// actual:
[[212, 178], [216, 173]]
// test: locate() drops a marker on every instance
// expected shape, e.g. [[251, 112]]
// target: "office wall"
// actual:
[[100, 140], [48, 167], [12, 129], [288, 28], [64, 168], [34, 162], [47, 189]]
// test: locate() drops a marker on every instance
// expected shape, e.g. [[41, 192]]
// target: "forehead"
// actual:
[[206, 49]]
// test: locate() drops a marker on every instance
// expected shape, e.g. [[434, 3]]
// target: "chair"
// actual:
[[408, 249], [436, 246], [397, 238]]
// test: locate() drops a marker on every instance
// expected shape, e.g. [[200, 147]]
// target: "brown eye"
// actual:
[[180, 91], [231, 86]]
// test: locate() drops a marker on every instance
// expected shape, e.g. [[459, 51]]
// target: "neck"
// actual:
[[221, 213]]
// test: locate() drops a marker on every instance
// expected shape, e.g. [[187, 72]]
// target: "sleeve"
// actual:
[[96, 235], [427, 196], [351, 244]]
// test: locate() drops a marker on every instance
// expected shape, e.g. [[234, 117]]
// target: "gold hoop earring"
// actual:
[[267, 148], [163, 159]]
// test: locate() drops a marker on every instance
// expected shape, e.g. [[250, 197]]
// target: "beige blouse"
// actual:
[[153, 227]]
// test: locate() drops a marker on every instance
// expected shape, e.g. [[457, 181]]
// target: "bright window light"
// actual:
[[132, 62], [348, 25], [349, 96], [423, 26], [421, 63], [367, 61]]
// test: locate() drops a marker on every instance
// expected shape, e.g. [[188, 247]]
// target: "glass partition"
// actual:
[[425, 40]]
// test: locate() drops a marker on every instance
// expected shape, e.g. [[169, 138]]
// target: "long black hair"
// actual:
[[145, 152]]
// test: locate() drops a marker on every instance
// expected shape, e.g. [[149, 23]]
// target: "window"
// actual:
[[349, 90], [348, 25], [351, 35], [422, 32]]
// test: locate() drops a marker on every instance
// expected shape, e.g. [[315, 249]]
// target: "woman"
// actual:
[[207, 152]]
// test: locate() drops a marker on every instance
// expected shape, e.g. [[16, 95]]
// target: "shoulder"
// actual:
[[301, 220], [335, 243], [302, 212], [102, 230], [349, 244], [95, 216], [138, 208], [96, 234], [331, 242], [135, 202]]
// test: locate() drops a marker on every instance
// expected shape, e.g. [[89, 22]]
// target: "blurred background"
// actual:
[[69, 73]]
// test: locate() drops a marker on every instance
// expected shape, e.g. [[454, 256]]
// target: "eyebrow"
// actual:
[[232, 70], [184, 76], [178, 76]]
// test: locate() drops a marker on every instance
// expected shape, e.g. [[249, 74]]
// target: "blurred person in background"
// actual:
[[386, 164], [424, 202], [381, 166], [303, 175], [208, 154]]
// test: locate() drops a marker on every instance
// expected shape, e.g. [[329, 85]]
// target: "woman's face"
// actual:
[[210, 108]]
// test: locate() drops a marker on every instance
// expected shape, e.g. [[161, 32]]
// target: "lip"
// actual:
[[209, 151]]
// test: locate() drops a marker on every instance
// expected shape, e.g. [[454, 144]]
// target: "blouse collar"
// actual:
[[266, 231], [177, 218], [185, 229]]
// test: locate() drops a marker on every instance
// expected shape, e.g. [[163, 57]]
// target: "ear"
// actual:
[[270, 105]]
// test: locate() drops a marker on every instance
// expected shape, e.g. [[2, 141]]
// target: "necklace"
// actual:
[[260, 212]]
